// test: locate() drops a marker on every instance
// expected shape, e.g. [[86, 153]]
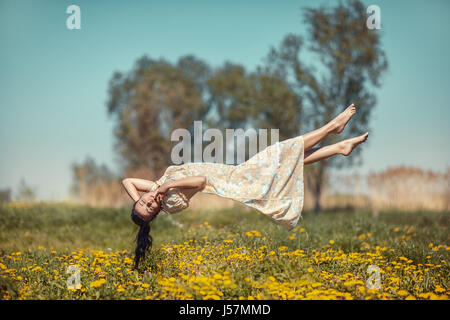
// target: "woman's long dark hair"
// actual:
[[143, 237]]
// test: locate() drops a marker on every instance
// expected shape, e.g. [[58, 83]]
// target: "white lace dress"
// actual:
[[271, 182]]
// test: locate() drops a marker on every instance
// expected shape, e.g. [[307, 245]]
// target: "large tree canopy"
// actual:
[[157, 97], [152, 100], [346, 62], [254, 100]]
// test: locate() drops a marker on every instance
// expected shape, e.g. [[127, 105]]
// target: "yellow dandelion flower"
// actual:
[[402, 293], [439, 289]]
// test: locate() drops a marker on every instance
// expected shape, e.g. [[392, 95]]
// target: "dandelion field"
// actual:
[[222, 254]]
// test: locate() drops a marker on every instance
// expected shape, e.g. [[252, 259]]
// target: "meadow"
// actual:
[[228, 253]]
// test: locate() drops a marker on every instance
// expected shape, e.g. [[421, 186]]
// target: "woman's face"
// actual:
[[148, 205]]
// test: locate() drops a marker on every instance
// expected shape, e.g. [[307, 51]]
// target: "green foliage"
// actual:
[[70, 227], [5, 195], [254, 99], [149, 102], [25, 192], [346, 64], [222, 254], [286, 93], [89, 174]]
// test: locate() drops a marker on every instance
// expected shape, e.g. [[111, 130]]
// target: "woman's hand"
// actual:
[[159, 197], [134, 185], [159, 194], [194, 182], [153, 196], [162, 189]]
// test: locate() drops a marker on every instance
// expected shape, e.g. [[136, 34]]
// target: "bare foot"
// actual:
[[338, 123], [348, 145]]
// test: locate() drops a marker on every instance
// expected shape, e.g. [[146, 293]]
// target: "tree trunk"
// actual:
[[317, 190]]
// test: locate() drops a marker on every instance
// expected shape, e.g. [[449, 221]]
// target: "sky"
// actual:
[[53, 81]]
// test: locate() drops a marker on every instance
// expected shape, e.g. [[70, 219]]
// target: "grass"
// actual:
[[222, 254]]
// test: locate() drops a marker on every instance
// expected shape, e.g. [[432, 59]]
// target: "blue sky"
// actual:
[[53, 81]]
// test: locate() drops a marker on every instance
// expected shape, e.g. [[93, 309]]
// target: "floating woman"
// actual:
[[271, 181]]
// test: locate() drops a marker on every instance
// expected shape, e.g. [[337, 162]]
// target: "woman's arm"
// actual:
[[133, 185], [195, 182]]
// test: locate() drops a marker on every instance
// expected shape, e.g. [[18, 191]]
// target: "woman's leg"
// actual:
[[344, 147], [336, 125]]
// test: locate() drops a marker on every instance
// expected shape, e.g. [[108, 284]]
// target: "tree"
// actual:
[[87, 175], [152, 100], [25, 192], [157, 97], [94, 184], [256, 99], [349, 62], [5, 195], [253, 100]]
